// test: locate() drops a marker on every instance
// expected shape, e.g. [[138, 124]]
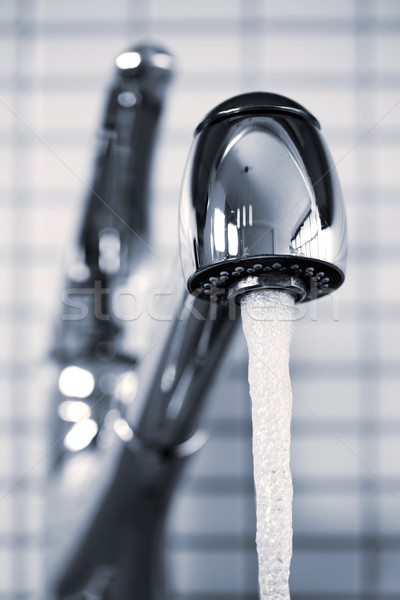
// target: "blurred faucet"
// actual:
[[261, 208], [114, 234], [112, 243]]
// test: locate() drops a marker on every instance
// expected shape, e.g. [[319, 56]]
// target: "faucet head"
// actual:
[[150, 65], [261, 205], [142, 75]]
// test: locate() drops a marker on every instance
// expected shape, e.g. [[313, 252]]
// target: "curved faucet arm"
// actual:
[[118, 552], [175, 382], [120, 544]]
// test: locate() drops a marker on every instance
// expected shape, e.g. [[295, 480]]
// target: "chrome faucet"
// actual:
[[113, 238], [261, 203], [261, 208]]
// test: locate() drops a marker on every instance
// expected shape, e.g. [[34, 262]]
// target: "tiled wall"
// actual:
[[339, 59]]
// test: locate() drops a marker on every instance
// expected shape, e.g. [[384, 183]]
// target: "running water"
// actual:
[[268, 323]]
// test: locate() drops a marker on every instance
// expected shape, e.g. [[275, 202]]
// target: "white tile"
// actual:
[[387, 47], [6, 513], [7, 291], [388, 110], [8, 116], [221, 458], [389, 514], [75, 109], [49, 278], [386, 8], [327, 340], [58, 11], [57, 167], [389, 341], [389, 217], [31, 571], [367, 225], [53, 226], [6, 461], [389, 398], [389, 573], [387, 160], [326, 514], [206, 54], [8, 10], [181, 10], [308, 9], [6, 225], [37, 457], [315, 53], [326, 572], [8, 53], [389, 449], [206, 572], [78, 55], [7, 172], [6, 340], [333, 108], [388, 289], [6, 572], [170, 167], [186, 107], [325, 399], [349, 162], [34, 513], [229, 398], [363, 282], [333, 456], [208, 515], [6, 404]]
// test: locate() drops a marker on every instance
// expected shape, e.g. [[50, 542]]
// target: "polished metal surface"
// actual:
[[113, 238], [114, 547], [260, 209], [112, 241], [261, 195], [115, 226], [175, 387]]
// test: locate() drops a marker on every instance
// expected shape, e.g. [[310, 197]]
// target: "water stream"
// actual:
[[268, 323]]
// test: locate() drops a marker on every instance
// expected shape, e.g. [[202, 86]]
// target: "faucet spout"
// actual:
[[261, 203]]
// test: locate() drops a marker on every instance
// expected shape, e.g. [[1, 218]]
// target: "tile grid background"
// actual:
[[341, 61]]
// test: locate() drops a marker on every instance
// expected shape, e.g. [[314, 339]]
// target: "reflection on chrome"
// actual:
[[80, 435], [109, 251], [73, 410], [123, 430], [76, 382], [128, 60], [126, 388]]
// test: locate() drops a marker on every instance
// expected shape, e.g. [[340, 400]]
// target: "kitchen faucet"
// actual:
[[261, 208], [113, 237]]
